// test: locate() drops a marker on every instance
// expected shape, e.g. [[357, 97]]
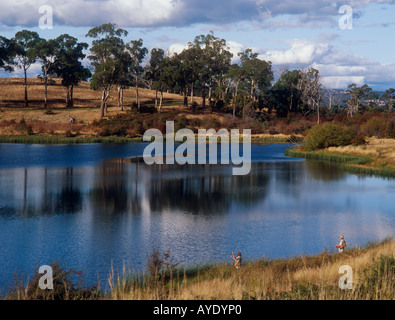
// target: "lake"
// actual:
[[92, 207]]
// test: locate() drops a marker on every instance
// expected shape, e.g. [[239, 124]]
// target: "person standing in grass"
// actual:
[[237, 259], [341, 245]]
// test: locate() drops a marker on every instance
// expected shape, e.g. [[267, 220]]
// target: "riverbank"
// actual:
[[376, 157], [43, 139], [303, 277]]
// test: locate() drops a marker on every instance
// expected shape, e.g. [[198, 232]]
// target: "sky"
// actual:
[[352, 44]]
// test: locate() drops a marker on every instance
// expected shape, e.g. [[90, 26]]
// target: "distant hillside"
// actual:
[[12, 95]]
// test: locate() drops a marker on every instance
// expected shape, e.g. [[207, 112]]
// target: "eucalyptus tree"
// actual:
[[216, 61], [191, 66], [356, 97], [389, 98], [137, 53], [235, 76], [7, 53], [123, 79], [45, 51], [24, 43], [286, 93], [258, 73], [171, 75], [154, 74], [310, 87], [68, 66], [106, 51]]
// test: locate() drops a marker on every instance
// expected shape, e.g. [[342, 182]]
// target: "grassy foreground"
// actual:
[[376, 157], [304, 277]]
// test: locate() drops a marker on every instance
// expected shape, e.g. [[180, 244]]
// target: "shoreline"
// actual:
[[303, 277], [350, 162], [48, 140]]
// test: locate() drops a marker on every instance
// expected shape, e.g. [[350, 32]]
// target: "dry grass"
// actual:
[[86, 105], [381, 151], [305, 277], [314, 277]]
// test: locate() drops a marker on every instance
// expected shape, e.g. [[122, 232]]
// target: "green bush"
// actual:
[[328, 135], [375, 127]]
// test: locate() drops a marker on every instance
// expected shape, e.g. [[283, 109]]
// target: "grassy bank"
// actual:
[[377, 157], [65, 140], [43, 139], [304, 277]]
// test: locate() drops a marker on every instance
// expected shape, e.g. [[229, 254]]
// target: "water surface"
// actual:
[[78, 205]]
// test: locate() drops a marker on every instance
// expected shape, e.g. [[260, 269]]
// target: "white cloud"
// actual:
[[176, 48], [341, 82], [235, 48], [301, 52], [338, 69]]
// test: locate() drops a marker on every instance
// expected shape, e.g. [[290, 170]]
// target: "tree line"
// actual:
[[202, 69]]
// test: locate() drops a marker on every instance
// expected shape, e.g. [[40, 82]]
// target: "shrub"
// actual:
[[29, 129], [138, 128], [375, 127], [195, 122], [160, 126], [212, 123], [160, 268], [328, 135], [104, 132], [69, 134], [359, 138], [391, 129], [273, 130], [68, 284], [180, 123], [118, 130]]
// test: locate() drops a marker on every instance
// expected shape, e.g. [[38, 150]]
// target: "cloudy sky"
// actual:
[[347, 46]]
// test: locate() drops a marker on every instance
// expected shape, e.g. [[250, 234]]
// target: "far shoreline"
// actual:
[[48, 140]]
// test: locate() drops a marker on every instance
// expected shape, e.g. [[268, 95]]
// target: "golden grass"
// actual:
[[381, 151], [314, 277], [86, 104], [311, 277]]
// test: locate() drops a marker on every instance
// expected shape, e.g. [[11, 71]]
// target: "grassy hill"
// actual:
[[52, 125], [86, 101]]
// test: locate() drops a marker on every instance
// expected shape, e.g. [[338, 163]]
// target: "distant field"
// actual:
[[12, 94], [86, 105], [86, 101]]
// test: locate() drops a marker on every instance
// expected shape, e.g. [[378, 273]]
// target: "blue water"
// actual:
[[52, 156], [92, 208]]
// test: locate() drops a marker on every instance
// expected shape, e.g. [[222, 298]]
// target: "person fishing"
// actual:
[[237, 259], [341, 245]]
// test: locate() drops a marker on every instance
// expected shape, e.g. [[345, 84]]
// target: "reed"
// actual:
[[353, 163], [305, 277], [65, 140]]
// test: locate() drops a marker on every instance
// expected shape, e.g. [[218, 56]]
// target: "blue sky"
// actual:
[[290, 34]]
